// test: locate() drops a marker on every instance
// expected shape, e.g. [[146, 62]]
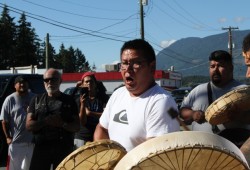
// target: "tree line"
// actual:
[[21, 46]]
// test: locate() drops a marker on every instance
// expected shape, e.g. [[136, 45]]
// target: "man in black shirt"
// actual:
[[53, 119]]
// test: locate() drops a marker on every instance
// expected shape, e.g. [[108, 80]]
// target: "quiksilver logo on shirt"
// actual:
[[121, 117]]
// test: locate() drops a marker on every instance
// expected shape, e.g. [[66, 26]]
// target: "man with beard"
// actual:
[[13, 116], [221, 82], [137, 111], [53, 119]]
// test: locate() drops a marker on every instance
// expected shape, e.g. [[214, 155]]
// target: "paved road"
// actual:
[[2, 166]]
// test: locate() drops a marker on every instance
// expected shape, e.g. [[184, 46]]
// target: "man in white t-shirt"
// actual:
[[13, 116], [137, 111]]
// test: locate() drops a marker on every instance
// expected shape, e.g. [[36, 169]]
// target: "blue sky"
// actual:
[[99, 28]]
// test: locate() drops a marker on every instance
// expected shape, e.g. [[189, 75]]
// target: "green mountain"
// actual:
[[189, 56]]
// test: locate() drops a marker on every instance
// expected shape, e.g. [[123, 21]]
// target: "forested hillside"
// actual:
[[189, 56]]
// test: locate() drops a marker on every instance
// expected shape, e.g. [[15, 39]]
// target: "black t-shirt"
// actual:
[[42, 106]]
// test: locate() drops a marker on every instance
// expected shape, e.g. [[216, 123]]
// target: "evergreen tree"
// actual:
[[68, 60], [27, 44], [60, 56], [20, 46], [72, 60], [51, 56], [8, 39], [81, 65], [86, 67]]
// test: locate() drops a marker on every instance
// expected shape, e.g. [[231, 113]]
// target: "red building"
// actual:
[[166, 79]]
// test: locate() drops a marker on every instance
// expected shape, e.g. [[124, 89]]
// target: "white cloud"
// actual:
[[240, 19], [116, 62], [222, 20], [166, 43]]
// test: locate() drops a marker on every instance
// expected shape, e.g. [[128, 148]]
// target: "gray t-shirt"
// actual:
[[197, 99], [14, 111]]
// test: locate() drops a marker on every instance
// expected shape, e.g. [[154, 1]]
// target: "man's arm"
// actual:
[[33, 125], [6, 131], [190, 115], [53, 121], [100, 133]]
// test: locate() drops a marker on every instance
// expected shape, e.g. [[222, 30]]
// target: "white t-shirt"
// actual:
[[14, 112], [131, 120]]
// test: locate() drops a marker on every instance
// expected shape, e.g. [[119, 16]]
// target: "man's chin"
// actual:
[[216, 81], [51, 91]]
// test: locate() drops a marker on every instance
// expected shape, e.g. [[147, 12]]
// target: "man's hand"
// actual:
[[199, 116], [8, 140]]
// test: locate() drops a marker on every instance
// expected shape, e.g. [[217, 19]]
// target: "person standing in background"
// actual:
[[245, 148], [91, 103], [201, 97], [53, 119], [13, 116], [246, 53]]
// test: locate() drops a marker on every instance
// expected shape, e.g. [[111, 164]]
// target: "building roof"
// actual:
[[110, 76]]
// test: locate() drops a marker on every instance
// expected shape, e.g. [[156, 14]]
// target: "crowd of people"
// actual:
[[42, 129]]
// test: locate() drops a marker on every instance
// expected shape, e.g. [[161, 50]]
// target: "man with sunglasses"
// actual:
[[53, 119], [137, 111]]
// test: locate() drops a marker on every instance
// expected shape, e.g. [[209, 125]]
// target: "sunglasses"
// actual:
[[50, 79]]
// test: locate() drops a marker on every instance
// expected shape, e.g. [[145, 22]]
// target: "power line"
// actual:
[[79, 15], [61, 25], [183, 9]]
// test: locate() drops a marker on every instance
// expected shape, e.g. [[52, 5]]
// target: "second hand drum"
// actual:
[[186, 150]]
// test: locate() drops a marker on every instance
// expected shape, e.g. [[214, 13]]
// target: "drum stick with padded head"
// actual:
[[174, 114]]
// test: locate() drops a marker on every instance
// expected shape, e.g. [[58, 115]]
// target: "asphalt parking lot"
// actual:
[[2, 166]]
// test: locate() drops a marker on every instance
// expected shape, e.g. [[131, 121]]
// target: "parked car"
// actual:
[[70, 90], [6, 88], [179, 94]]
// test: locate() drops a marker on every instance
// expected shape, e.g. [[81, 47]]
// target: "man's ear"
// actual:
[[244, 54], [153, 66]]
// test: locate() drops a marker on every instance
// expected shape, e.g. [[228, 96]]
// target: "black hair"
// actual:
[[219, 55], [143, 46], [101, 92], [246, 43]]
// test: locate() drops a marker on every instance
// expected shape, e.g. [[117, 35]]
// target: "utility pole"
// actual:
[[230, 38], [47, 52], [142, 3]]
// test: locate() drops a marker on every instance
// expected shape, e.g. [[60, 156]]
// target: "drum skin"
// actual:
[[238, 99], [103, 154], [186, 150]]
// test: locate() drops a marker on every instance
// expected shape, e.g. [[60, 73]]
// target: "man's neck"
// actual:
[[21, 93], [223, 84], [55, 94]]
